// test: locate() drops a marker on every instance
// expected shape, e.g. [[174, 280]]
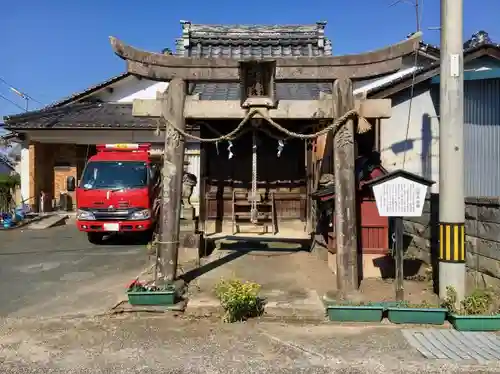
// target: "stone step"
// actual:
[[50, 220]]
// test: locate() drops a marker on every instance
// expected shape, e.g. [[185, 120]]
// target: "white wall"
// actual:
[[25, 172], [130, 88], [419, 150]]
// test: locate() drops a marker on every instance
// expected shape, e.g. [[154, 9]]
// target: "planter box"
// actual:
[[424, 316], [475, 323], [355, 313], [387, 304], [152, 297]]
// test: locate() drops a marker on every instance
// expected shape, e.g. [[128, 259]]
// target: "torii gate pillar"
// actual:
[[345, 192]]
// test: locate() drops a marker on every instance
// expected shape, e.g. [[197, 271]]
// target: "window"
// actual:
[[115, 175]]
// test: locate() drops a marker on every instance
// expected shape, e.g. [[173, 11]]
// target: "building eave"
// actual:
[[83, 116], [425, 73], [80, 116]]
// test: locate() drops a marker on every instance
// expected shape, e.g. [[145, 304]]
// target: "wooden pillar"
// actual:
[[377, 135], [202, 186], [310, 203], [345, 192], [42, 175], [172, 104]]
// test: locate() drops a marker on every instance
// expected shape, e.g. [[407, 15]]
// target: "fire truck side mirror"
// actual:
[[70, 183]]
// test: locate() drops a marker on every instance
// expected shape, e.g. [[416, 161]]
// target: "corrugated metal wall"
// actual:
[[482, 137]]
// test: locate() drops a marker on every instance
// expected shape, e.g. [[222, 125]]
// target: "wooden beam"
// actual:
[[345, 192], [158, 66], [172, 106], [287, 109], [387, 53], [371, 108], [290, 73]]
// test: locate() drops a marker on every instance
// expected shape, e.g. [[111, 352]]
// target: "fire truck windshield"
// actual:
[[114, 175]]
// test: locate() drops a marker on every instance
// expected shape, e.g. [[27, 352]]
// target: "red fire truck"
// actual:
[[118, 192]]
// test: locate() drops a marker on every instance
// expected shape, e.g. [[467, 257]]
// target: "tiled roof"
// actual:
[[243, 41], [7, 161], [408, 74], [88, 91], [80, 115]]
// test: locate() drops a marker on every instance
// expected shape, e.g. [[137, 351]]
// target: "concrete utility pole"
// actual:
[[451, 155]]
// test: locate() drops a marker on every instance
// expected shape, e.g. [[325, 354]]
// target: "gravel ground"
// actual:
[[168, 344]]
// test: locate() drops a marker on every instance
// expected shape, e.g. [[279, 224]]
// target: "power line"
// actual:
[[13, 103], [414, 75], [23, 94], [418, 11]]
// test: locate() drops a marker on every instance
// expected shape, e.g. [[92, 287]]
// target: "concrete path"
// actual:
[[174, 345], [56, 272], [293, 281]]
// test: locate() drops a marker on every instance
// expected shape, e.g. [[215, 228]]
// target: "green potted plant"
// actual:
[[478, 311], [423, 313], [140, 293], [348, 311], [240, 300]]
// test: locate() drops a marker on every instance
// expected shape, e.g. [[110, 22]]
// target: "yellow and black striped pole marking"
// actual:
[[451, 242]]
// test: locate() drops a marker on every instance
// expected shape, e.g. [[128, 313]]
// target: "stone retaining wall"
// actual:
[[482, 228]]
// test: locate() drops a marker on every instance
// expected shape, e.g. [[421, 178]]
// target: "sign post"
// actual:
[[398, 257], [399, 194]]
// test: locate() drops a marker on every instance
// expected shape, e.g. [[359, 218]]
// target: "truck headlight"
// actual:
[[84, 215], [141, 214]]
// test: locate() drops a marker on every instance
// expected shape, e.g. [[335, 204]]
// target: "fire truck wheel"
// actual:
[[95, 237], [146, 236]]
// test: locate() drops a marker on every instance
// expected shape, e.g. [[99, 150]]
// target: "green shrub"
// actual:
[[479, 302], [9, 181], [7, 185], [240, 300]]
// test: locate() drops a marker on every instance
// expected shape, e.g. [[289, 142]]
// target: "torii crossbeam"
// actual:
[[162, 67]]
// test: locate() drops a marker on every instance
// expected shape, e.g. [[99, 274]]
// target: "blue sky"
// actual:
[[53, 48]]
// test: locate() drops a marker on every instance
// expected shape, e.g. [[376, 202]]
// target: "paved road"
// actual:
[[55, 272], [165, 344]]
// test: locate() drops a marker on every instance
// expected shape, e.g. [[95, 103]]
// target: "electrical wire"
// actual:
[[12, 102], [412, 87], [418, 5], [19, 92], [412, 91]]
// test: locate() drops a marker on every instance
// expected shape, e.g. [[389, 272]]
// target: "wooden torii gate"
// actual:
[[258, 78]]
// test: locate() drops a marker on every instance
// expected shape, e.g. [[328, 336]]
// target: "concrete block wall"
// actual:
[[420, 239], [482, 229]]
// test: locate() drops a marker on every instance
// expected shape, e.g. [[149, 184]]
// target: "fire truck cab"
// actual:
[[117, 192]]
